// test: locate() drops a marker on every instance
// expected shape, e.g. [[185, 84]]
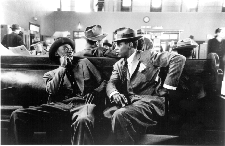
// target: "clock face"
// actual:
[[146, 19]]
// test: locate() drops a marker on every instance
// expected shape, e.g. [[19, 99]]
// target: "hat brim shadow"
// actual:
[[97, 38], [107, 44], [131, 38], [14, 28], [185, 46]]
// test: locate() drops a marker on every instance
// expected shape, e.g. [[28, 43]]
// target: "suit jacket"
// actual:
[[214, 46], [142, 82], [86, 76], [12, 40]]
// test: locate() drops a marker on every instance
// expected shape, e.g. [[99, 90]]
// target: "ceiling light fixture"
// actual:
[[79, 26]]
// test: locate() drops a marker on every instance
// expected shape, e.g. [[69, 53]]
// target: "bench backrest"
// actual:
[[22, 82]]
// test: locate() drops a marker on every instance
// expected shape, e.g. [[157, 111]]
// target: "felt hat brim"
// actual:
[[185, 46], [130, 38], [107, 44], [96, 38], [54, 47]]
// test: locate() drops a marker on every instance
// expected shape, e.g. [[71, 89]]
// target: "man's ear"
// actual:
[[131, 44]]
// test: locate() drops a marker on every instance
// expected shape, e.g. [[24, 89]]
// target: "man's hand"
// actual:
[[64, 61], [120, 99]]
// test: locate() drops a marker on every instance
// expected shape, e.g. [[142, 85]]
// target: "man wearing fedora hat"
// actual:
[[186, 47], [13, 39], [217, 45], [106, 44], [75, 88], [93, 36], [136, 89]]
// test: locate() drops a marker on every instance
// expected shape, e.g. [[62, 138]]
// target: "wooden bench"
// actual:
[[22, 84]]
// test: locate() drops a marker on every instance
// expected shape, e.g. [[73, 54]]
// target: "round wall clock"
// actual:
[[146, 19]]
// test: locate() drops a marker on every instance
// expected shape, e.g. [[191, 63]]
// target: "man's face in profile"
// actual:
[[122, 49]]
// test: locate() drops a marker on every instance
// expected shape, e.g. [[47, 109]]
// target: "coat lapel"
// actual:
[[135, 63], [78, 74]]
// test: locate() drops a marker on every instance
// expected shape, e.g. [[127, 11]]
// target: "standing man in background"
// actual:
[[217, 45], [13, 39], [107, 45]]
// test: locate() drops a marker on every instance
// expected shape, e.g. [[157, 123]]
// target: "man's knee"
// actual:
[[119, 113], [85, 116]]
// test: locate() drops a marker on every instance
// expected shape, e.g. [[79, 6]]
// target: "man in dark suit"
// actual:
[[136, 88], [70, 86], [13, 39], [217, 45]]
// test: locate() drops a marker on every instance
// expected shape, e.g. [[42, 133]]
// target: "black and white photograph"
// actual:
[[112, 72]]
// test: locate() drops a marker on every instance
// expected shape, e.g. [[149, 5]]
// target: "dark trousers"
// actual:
[[85, 129], [89, 126], [130, 122]]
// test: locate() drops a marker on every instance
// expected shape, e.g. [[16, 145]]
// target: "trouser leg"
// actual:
[[24, 121], [57, 124], [89, 126], [22, 126], [130, 122], [83, 125]]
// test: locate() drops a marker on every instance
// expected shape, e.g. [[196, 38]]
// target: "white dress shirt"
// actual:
[[129, 63]]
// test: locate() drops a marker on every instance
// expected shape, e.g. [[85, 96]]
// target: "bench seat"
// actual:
[[22, 86]]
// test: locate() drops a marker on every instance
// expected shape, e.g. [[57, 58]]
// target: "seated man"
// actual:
[[107, 45], [93, 36], [68, 87], [133, 86], [186, 47]]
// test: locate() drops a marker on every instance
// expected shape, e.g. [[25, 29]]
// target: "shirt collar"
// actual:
[[130, 59]]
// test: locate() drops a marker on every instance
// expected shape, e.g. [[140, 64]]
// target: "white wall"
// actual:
[[22, 12], [196, 24]]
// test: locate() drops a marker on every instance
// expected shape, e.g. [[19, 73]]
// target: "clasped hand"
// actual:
[[65, 61], [120, 99]]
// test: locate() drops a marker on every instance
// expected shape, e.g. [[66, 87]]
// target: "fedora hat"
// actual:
[[185, 47], [94, 33], [186, 44], [125, 34], [54, 47], [15, 26], [106, 42]]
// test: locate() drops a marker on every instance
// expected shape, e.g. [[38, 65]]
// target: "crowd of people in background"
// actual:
[[135, 89], [102, 45]]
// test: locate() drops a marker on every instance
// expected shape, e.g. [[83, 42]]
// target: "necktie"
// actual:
[[126, 70]]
